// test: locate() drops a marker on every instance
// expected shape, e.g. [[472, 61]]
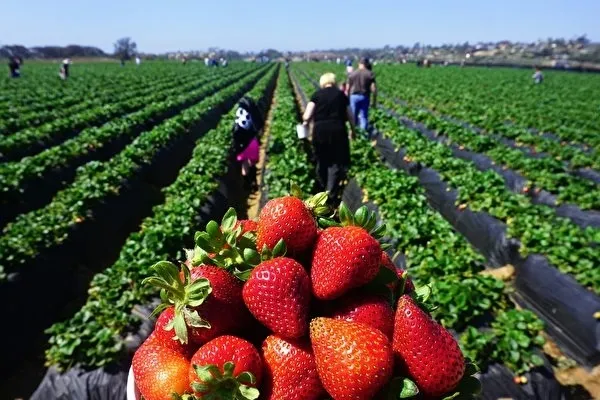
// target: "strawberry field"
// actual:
[[482, 187]]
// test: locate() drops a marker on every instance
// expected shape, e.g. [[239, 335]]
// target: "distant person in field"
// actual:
[[349, 67], [14, 66], [361, 85], [65, 69], [329, 110], [538, 77], [248, 124], [138, 61]]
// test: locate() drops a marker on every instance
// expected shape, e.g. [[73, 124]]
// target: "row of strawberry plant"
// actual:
[[436, 254], [545, 173], [94, 336], [538, 228], [287, 158], [574, 156], [25, 184], [35, 232], [564, 104], [40, 89], [110, 92], [31, 141]]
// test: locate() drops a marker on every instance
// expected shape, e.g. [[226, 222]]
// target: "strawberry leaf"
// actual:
[[229, 220]]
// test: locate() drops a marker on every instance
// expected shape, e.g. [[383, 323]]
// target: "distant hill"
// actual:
[[51, 51]]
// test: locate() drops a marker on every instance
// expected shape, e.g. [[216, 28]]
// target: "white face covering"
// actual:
[[243, 119]]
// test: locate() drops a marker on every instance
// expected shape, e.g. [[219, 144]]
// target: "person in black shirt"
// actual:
[[14, 65], [246, 128], [329, 110]]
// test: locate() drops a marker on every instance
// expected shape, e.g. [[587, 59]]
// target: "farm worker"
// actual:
[[329, 110], [14, 65], [361, 85], [138, 61], [538, 77], [248, 123], [349, 67], [64, 69]]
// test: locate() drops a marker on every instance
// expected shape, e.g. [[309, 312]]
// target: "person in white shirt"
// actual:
[[138, 61], [64, 69]]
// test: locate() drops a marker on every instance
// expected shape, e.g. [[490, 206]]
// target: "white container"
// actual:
[[302, 131], [132, 391]]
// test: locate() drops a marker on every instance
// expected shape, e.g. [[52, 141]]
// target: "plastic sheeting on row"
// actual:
[[585, 173], [513, 180], [569, 317], [109, 382]]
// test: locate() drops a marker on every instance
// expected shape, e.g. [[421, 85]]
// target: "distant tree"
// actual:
[[125, 48], [583, 40]]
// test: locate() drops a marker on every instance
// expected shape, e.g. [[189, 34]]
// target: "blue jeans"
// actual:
[[359, 103]]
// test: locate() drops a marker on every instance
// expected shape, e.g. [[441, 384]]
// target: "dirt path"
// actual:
[[255, 197]]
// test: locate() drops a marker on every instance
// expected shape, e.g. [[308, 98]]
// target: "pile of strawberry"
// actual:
[[319, 312]]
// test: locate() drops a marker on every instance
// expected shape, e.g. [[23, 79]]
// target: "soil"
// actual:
[[255, 197]]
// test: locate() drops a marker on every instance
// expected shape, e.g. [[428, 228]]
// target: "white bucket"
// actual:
[[302, 131], [132, 391]]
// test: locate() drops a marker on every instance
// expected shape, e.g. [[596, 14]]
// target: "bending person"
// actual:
[[329, 110]]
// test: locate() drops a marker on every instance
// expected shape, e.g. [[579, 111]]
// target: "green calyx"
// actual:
[[252, 258], [215, 385], [399, 388], [185, 296], [224, 245], [317, 204], [363, 218]]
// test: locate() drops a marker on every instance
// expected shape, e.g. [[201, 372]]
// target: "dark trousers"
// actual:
[[332, 155]]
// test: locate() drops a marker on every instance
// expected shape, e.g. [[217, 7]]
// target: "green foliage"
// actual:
[[95, 335], [513, 338]]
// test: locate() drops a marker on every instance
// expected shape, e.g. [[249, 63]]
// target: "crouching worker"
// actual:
[[246, 129]]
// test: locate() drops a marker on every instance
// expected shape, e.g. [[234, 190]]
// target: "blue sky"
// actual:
[[300, 25]]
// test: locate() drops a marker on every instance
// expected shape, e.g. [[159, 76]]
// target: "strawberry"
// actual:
[[286, 218], [223, 365], [159, 372], [291, 372], [387, 262], [343, 258], [369, 309], [224, 308], [278, 295], [164, 336], [208, 302], [426, 351], [354, 360], [247, 225]]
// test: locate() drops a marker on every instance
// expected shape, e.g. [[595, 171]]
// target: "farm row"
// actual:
[[117, 206], [463, 231]]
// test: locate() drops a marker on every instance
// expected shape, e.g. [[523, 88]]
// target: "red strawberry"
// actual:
[[166, 338], [278, 295], [159, 372], [291, 372], [247, 225], [220, 351], [343, 258], [387, 262], [207, 303], [354, 361], [369, 309], [289, 219], [224, 308], [427, 351]]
